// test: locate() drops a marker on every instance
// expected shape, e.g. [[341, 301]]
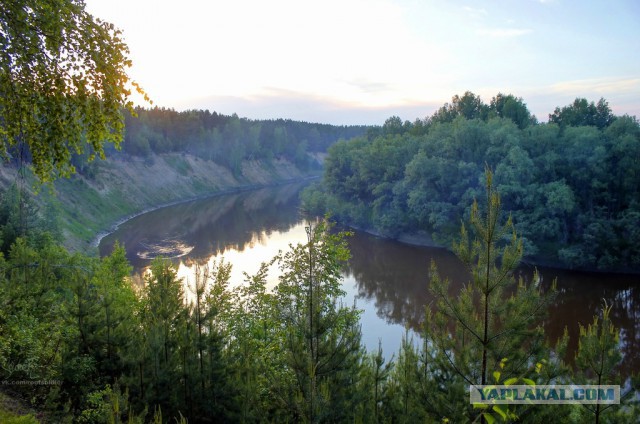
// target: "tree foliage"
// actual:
[[229, 140], [493, 323], [572, 190], [597, 359], [63, 83], [582, 113], [321, 337]]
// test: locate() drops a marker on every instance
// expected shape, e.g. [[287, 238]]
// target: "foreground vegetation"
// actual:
[[80, 343], [572, 185]]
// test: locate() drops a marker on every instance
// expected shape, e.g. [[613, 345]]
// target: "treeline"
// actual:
[[84, 345], [571, 185], [228, 140], [223, 139]]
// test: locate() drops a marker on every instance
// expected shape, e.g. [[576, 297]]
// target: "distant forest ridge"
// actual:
[[572, 185], [228, 140]]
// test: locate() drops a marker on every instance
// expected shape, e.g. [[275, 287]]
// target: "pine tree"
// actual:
[[163, 317], [117, 302], [257, 352], [219, 391], [493, 324], [597, 359], [375, 381], [404, 398], [322, 337]]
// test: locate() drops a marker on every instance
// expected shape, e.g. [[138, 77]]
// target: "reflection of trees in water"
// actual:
[[395, 276], [211, 225], [580, 296]]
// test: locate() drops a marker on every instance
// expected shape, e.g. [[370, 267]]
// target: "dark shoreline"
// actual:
[[421, 238]]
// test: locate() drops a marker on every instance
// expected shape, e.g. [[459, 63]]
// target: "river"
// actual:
[[387, 279]]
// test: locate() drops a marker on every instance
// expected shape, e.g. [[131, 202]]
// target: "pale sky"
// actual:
[[362, 61]]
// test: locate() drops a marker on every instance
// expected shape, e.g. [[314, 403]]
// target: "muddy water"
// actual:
[[387, 279]]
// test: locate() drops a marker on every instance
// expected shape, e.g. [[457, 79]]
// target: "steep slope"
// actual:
[[116, 189]]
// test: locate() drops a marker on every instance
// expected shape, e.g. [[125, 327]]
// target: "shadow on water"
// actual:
[[389, 277]]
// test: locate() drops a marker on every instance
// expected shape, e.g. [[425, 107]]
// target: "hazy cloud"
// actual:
[[474, 12], [622, 94], [377, 57], [286, 104], [368, 86], [504, 32], [598, 85]]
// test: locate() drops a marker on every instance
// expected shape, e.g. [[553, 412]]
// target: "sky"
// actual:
[[361, 61]]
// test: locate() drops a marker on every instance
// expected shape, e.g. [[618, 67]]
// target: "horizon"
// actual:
[[361, 62]]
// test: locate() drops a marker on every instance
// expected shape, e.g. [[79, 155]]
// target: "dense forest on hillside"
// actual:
[[572, 185], [228, 140]]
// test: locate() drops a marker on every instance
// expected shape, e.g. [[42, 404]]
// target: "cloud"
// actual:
[[503, 32], [287, 104], [475, 13], [369, 86], [622, 94], [598, 85]]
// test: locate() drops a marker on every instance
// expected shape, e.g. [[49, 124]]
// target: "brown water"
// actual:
[[388, 279]]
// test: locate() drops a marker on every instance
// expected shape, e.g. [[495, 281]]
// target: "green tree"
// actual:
[[583, 113], [321, 338], [33, 305], [257, 353], [20, 216], [597, 359], [405, 401], [63, 83], [393, 126], [511, 107], [469, 106], [376, 375], [219, 391], [492, 318], [163, 314]]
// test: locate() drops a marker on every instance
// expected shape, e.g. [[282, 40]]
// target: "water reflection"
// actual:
[[207, 227], [389, 279], [396, 276], [581, 295]]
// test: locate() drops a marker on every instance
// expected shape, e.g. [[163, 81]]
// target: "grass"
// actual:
[[88, 212], [181, 166], [9, 415]]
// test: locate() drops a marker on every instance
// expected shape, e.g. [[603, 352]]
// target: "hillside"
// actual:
[[117, 188], [168, 156]]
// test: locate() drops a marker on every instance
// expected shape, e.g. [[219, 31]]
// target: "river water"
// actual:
[[387, 279]]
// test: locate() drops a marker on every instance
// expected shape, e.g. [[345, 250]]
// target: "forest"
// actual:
[[228, 140], [572, 185], [225, 140]]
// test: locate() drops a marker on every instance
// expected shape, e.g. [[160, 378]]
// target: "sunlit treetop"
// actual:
[[63, 83]]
